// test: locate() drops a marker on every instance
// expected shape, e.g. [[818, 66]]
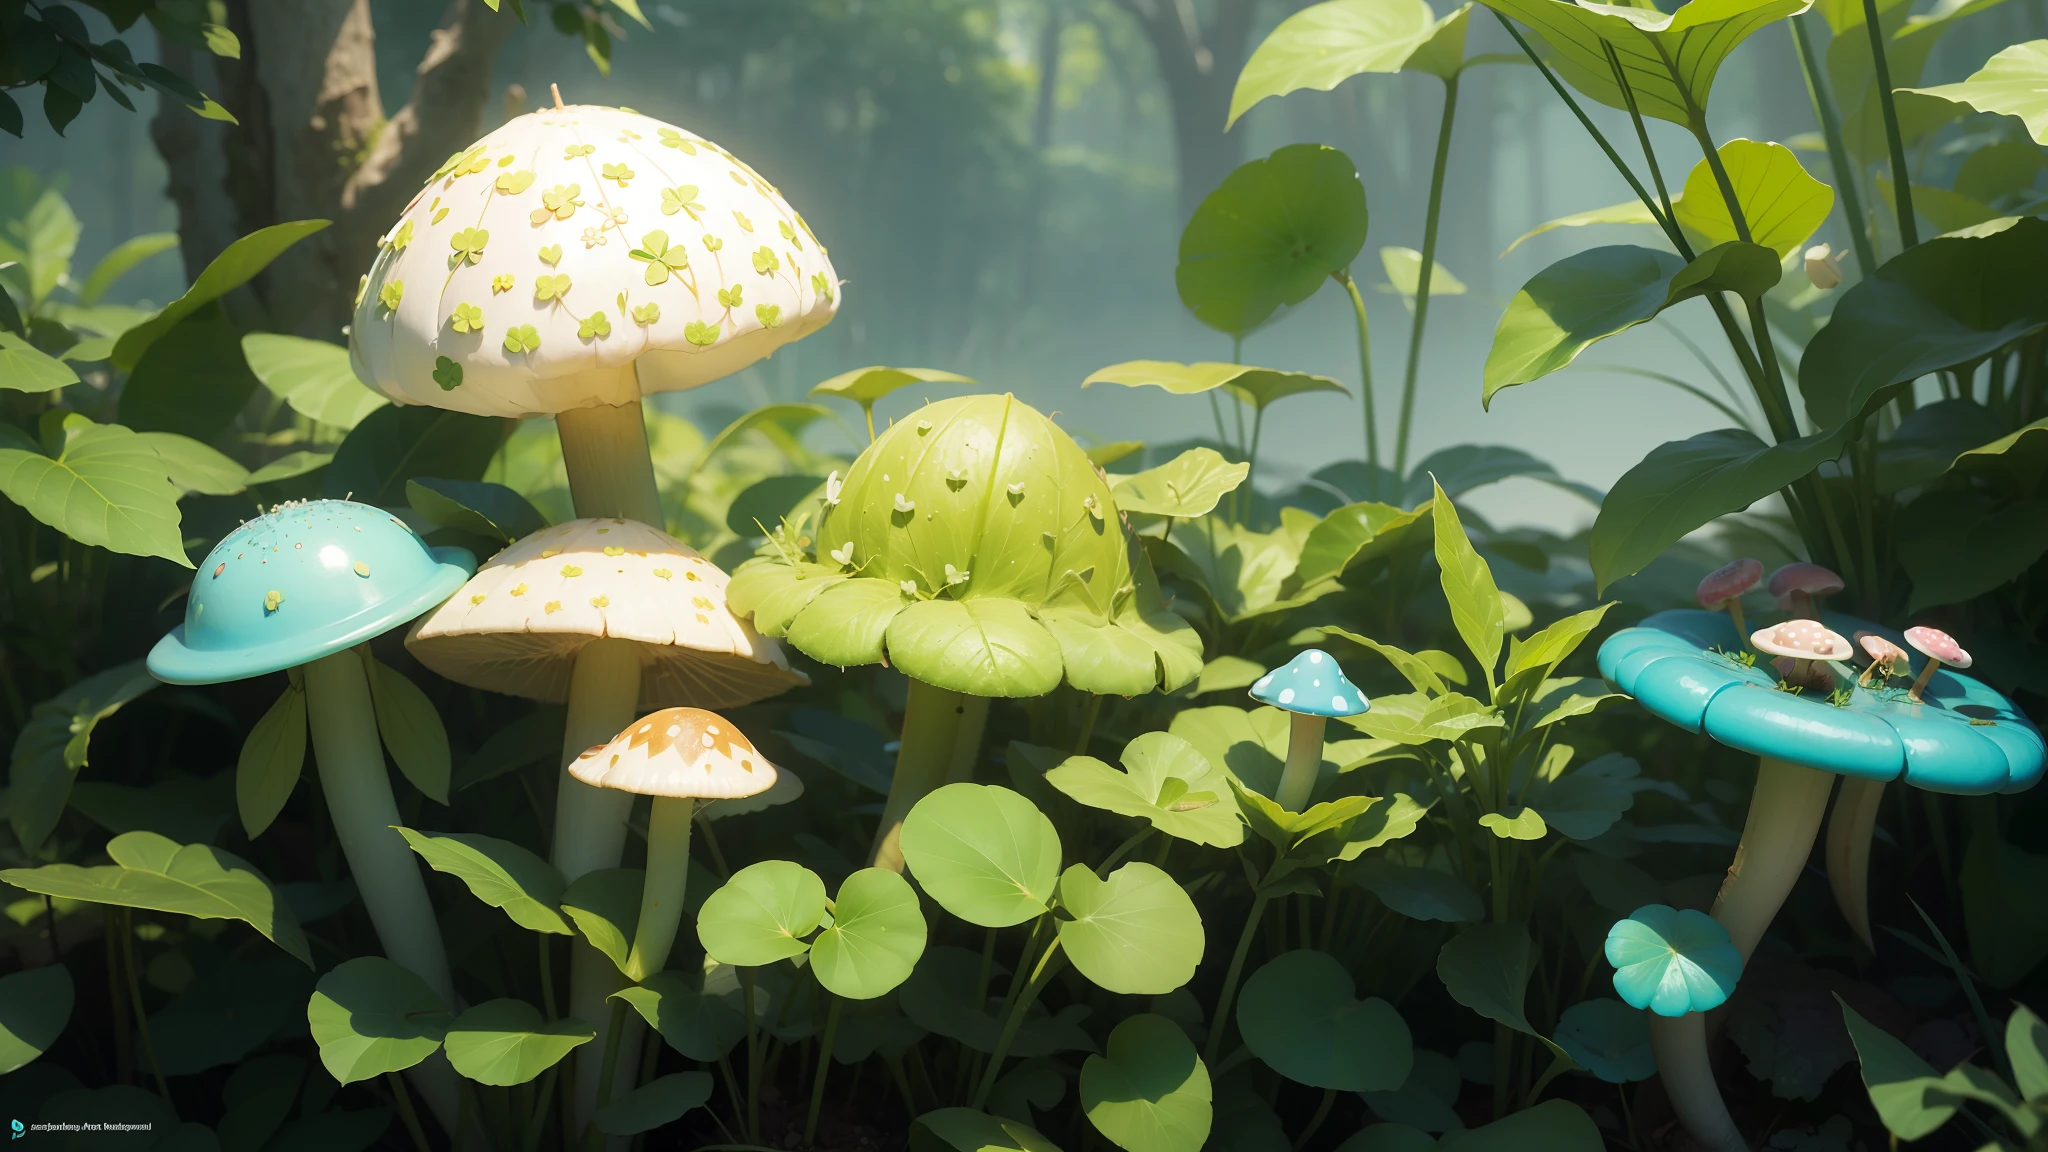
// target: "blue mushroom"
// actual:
[[1314, 689], [297, 589]]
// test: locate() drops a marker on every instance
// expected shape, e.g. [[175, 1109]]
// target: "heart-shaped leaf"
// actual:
[[196, 468], [1149, 1092], [499, 873], [56, 742], [35, 1004], [1186, 486], [1516, 823], [1166, 781], [660, 1101], [762, 914], [505, 1042], [106, 487], [985, 853], [1270, 235], [370, 1016], [1487, 968], [697, 1024], [1136, 932], [1300, 1013], [26, 368], [1781, 202], [877, 934], [1609, 1039], [864, 386]]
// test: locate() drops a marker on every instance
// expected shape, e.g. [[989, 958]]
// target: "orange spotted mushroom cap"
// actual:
[[681, 753]]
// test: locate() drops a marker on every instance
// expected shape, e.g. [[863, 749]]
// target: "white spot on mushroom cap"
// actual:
[[1287, 695]]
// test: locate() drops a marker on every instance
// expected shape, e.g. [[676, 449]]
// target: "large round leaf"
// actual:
[[1611, 1039], [1136, 932], [34, 1007], [983, 852], [1781, 202], [505, 1042], [1270, 235], [876, 936], [1325, 44], [1149, 1092], [2013, 83], [370, 1016], [1302, 1016], [1166, 781], [762, 914], [1184, 487]]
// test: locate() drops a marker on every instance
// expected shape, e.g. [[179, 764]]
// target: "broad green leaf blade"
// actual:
[[1487, 967], [864, 386], [107, 488], [1412, 668], [1626, 212], [1167, 782], [371, 1016], [965, 1130], [26, 368], [1255, 386], [237, 264], [1477, 609], [1325, 44], [123, 259], [983, 647], [411, 728], [605, 907], [1552, 1126], [2012, 83], [1270, 235], [1300, 1013], [194, 467], [876, 936], [1549, 647], [155, 872], [312, 376], [1148, 1092], [762, 914], [1404, 274], [272, 757], [1184, 487], [1960, 545], [779, 422], [1781, 202], [660, 1101], [289, 465], [489, 510], [1419, 893], [1685, 484], [505, 1042], [1135, 933], [35, 1004], [1357, 533], [1903, 1088], [192, 380], [57, 741], [1609, 1039], [2026, 1048], [499, 873], [395, 444], [700, 1025], [1566, 308], [1587, 800], [1516, 823], [985, 853]]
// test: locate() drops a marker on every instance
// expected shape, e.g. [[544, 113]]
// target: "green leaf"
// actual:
[[107, 487], [1960, 545], [2026, 1047], [272, 756], [48, 234], [1419, 893], [864, 386], [154, 872], [965, 1130], [1487, 967], [1166, 781], [26, 368], [192, 380], [35, 1004], [1696, 39], [1412, 668], [194, 467], [237, 264], [1685, 484], [781, 423], [1412, 718], [1477, 609], [1186, 486], [187, 809], [1585, 802], [1355, 534], [605, 906], [499, 873], [312, 376], [762, 914], [1148, 1092], [1626, 212], [877, 934], [395, 444], [1270, 235], [695, 1023], [985, 853], [1950, 301], [123, 259], [1551, 646], [489, 510], [1255, 386], [505, 1042], [1517, 823], [411, 728], [1300, 1013], [1552, 1126], [57, 741], [2012, 83], [2002, 912], [660, 1101], [1325, 44], [1404, 275], [1136, 933], [289, 465], [983, 647], [1903, 1088], [761, 506], [1566, 308], [1781, 202], [371, 1016]]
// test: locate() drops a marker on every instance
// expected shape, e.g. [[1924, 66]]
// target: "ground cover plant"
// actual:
[[946, 782]]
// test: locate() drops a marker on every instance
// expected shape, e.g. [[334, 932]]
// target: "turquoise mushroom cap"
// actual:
[[300, 582], [1313, 685], [1672, 962], [1962, 737]]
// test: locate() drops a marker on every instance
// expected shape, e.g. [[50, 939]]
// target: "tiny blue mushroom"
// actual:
[[1679, 965], [299, 587], [1313, 688]]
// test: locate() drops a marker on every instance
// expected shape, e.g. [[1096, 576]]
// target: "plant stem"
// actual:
[[537, 1118], [406, 1113], [824, 1066], [1430, 220], [1219, 1020], [753, 1054], [663, 892], [1048, 966], [1251, 471], [1372, 429], [1838, 151], [1315, 1121], [547, 974], [1124, 849], [127, 918], [592, 1138], [1089, 714], [931, 728], [1902, 176]]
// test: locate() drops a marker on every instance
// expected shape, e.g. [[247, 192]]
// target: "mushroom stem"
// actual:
[[342, 723], [1680, 1043], [590, 823], [662, 895], [1927, 670], [932, 719], [611, 472], [1734, 606], [1304, 760], [1848, 851]]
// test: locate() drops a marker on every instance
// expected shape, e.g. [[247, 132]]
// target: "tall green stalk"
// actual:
[[1838, 151], [1372, 427], [1902, 176], [1422, 276]]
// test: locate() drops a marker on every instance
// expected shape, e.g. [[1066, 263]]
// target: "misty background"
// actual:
[[1002, 185]]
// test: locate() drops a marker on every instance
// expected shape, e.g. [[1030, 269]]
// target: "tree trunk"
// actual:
[[314, 141], [1199, 67]]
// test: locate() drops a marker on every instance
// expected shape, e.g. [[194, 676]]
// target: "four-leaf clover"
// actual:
[[701, 334], [467, 318], [681, 198], [766, 262], [447, 373], [770, 315], [521, 338], [560, 202], [661, 260], [551, 287], [1672, 962], [469, 245], [730, 297]]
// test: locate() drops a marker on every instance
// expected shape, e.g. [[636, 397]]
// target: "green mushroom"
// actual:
[[975, 548]]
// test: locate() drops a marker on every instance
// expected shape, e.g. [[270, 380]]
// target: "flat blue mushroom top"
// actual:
[[300, 582], [1313, 685], [1965, 737]]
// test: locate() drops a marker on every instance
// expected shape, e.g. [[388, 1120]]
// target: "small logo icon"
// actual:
[[18, 1128]]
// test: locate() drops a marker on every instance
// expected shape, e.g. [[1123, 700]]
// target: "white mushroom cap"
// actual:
[[668, 263], [517, 625], [681, 753], [1801, 640]]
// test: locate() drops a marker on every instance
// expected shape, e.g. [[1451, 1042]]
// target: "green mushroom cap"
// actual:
[[975, 547]]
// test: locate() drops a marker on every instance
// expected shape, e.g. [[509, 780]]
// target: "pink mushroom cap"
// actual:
[[1726, 583], [1935, 644], [1880, 650], [1800, 576], [1801, 640]]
